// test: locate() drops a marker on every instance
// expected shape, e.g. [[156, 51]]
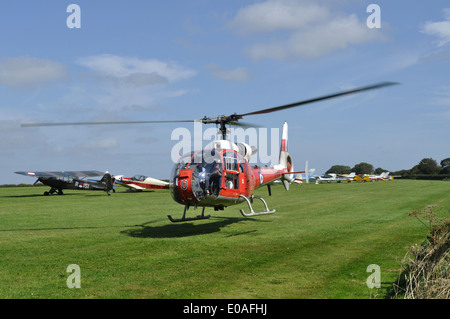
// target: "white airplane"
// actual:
[[333, 177], [325, 178], [141, 182], [299, 178], [383, 176], [347, 178]]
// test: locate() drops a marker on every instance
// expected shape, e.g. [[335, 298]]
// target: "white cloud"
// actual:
[[309, 30], [128, 83], [135, 71], [274, 15], [235, 75], [440, 29], [29, 73], [119, 98]]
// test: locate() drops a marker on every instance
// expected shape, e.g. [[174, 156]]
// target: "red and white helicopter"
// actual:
[[220, 175]]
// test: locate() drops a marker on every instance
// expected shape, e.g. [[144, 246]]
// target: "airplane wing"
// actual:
[[156, 182], [61, 174], [142, 183], [132, 186]]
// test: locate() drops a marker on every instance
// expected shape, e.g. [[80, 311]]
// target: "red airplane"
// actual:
[[141, 182]]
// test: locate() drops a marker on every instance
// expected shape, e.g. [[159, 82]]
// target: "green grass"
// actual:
[[317, 245]]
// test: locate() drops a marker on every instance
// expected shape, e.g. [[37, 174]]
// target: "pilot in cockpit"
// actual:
[[214, 181], [202, 178]]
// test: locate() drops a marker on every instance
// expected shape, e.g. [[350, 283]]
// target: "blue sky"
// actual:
[[177, 60]]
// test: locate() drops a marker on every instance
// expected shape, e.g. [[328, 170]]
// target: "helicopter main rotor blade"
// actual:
[[244, 124], [102, 123], [287, 106], [222, 120]]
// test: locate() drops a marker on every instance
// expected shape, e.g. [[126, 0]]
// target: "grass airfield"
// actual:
[[318, 244]]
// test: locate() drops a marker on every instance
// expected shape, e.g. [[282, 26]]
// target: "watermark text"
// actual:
[[74, 279]]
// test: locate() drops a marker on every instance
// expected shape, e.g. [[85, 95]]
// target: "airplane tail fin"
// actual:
[[285, 160], [107, 180]]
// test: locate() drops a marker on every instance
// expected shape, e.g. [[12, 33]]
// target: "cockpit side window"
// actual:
[[231, 162], [181, 164], [207, 156], [207, 173], [241, 163]]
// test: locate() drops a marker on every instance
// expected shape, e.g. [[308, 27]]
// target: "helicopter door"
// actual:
[[232, 180], [231, 173], [243, 178]]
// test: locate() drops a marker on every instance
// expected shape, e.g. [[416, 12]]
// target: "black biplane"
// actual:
[[60, 180]]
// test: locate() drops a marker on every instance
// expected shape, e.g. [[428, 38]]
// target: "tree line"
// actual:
[[427, 168], [361, 168]]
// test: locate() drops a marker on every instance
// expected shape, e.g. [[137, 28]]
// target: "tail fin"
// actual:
[[285, 160], [107, 180], [307, 172]]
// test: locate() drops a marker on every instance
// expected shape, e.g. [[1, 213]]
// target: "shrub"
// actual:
[[427, 268]]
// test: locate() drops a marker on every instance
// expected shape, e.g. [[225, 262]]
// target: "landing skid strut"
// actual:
[[184, 219], [252, 212]]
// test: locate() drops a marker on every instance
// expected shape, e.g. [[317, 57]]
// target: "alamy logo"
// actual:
[[261, 139], [374, 20], [374, 280], [74, 279], [74, 19]]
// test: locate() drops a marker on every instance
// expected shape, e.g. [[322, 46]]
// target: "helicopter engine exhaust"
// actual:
[[246, 150]]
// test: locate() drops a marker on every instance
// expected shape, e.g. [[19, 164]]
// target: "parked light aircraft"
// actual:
[[350, 177], [59, 180], [141, 182], [326, 178], [306, 176], [361, 178], [382, 177], [332, 177]]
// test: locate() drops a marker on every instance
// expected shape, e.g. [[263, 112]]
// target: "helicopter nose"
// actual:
[[184, 186], [193, 187], [182, 190], [197, 186]]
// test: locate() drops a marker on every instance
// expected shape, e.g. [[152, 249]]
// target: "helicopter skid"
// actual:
[[252, 212], [184, 219]]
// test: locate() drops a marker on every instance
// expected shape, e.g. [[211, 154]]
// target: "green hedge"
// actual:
[[435, 177]]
